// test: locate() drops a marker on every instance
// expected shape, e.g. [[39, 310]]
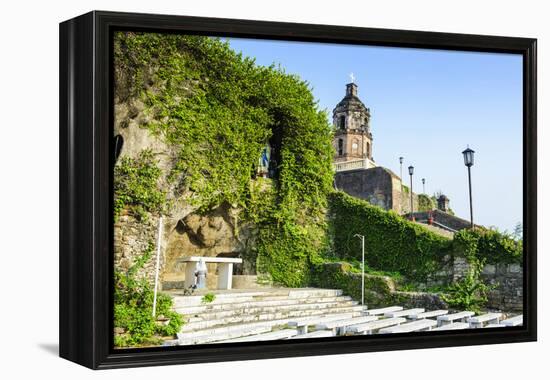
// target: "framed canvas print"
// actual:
[[236, 190]]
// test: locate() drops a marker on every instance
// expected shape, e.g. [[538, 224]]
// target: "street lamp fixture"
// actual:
[[468, 157], [423, 185], [411, 172], [469, 162]]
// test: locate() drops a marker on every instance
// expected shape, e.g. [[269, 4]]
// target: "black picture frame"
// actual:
[[86, 257]]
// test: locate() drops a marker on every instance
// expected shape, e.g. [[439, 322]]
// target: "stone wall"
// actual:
[[446, 219], [426, 300], [507, 296], [379, 186], [217, 233], [132, 239], [509, 293]]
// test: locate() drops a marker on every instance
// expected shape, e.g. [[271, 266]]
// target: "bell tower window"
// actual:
[[342, 122], [340, 147]]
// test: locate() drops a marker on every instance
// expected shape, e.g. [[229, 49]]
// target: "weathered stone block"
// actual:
[[489, 269]]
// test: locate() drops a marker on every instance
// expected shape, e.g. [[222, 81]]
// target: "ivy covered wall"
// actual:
[[392, 243], [210, 112]]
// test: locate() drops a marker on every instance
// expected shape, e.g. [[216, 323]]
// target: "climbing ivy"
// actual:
[[392, 243], [489, 245], [136, 186], [471, 292], [217, 110]]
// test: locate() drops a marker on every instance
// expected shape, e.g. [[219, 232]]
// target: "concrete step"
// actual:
[[232, 331], [404, 313], [285, 314], [452, 326], [419, 325], [248, 296], [383, 310], [256, 304], [273, 335], [211, 315], [223, 336], [514, 321], [481, 320], [370, 327], [314, 334]]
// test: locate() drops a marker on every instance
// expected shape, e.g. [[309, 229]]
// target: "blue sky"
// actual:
[[427, 106]]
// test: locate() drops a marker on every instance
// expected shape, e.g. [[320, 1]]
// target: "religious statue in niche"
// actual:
[[264, 162]]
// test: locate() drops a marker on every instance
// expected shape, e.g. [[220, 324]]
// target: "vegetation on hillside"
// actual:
[[392, 242], [133, 308], [218, 110]]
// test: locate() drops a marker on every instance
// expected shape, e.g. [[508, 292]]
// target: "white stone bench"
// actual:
[[338, 327], [369, 327], [452, 326], [450, 318], [302, 324], [225, 269], [403, 313], [429, 314], [274, 335], [480, 320], [383, 310], [515, 321], [420, 325], [493, 325], [314, 334]]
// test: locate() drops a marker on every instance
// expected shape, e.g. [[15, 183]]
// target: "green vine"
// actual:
[[491, 246], [391, 243], [133, 306], [217, 110], [470, 292], [136, 186]]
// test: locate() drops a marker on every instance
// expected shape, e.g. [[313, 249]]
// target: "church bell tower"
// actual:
[[352, 137]]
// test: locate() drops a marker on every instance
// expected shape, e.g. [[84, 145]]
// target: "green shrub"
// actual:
[[469, 293], [391, 243], [492, 246], [208, 298], [340, 275], [133, 306]]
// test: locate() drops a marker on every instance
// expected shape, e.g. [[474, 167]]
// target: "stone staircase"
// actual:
[[239, 313]]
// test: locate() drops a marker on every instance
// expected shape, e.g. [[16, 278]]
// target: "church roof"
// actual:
[[351, 100]]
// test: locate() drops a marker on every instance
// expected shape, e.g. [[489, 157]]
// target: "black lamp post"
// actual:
[[411, 172], [469, 162], [423, 185]]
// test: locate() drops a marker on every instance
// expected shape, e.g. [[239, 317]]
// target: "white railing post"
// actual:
[[157, 268], [362, 237]]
